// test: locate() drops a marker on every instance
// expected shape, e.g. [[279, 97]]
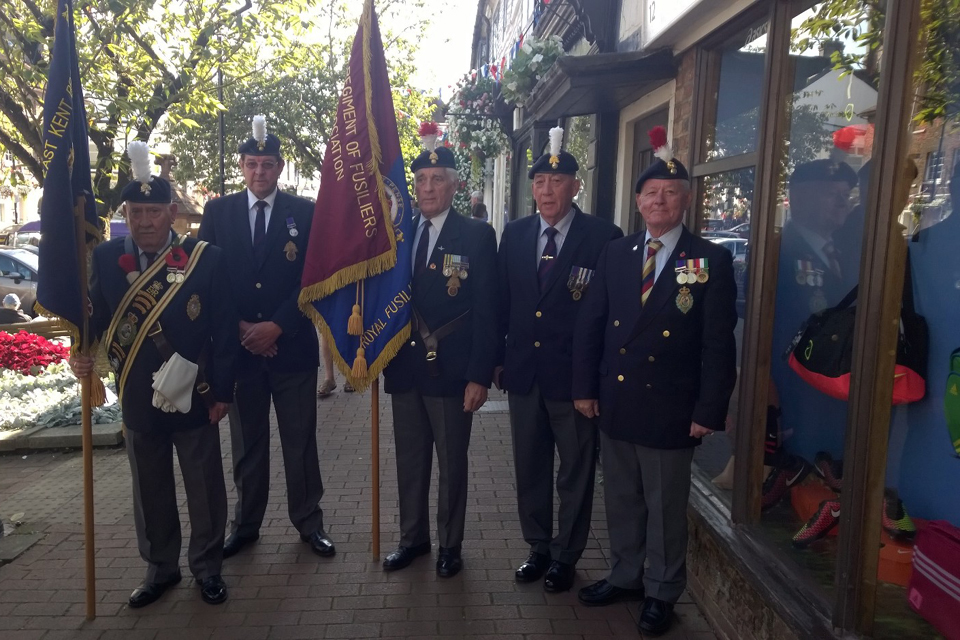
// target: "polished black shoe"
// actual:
[[403, 556], [655, 617], [150, 592], [449, 562], [213, 590], [602, 593], [235, 542], [320, 543], [559, 577], [533, 568]]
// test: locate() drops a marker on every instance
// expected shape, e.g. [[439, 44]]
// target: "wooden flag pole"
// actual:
[[86, 412], [375, 465], [88, 536]]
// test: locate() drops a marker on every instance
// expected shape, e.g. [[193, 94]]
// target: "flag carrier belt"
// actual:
[[432, 338], [166, 352]]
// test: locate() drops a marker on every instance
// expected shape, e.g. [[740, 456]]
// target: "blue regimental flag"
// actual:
[[356, 279], [69, 225]]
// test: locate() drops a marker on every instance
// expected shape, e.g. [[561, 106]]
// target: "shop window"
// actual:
[[736, 89], [577, 138]]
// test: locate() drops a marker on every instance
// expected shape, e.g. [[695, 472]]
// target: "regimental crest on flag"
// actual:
[[357, 269]]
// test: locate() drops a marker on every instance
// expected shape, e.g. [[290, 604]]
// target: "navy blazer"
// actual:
[[657, 370], [537, 329], [469, 353], [267, 289], [215, 327]]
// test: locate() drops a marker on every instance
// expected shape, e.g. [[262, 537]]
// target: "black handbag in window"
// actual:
[[822, 351]]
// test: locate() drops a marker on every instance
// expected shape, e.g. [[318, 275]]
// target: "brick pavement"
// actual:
[[280, 590]]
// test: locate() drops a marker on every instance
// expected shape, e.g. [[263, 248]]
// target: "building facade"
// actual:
[[754, 93]]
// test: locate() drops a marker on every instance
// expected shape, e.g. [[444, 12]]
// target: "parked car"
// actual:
[[712, 224], [709, 235], [18, 274], [742, 230], [736, 246]]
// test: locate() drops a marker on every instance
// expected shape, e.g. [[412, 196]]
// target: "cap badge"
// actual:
[[554, 161]]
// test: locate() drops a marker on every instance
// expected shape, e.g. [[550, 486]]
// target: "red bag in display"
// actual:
[[934, 589]]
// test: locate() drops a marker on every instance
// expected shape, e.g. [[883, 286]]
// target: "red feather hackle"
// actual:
[[429, 129], [658, 137]]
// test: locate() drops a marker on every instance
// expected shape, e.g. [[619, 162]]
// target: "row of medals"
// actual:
[[454, 271], [687, 276]]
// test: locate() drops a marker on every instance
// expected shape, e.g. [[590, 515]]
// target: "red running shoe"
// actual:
[[829, 470], [792, 472], [819, 524], [895, 520]]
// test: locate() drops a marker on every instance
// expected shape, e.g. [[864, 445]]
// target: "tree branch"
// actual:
[[23, 155], [14, 112]]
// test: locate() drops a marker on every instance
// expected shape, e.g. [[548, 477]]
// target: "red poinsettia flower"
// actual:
[[177, 258], [128, 263], [29, 353]]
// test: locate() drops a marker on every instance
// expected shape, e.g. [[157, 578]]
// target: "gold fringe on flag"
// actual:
[[359, 370]]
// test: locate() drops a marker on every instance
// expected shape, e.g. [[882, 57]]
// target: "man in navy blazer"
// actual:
[[441, 376], [655, 358], [546, 263], [263, 233], [132, 279]]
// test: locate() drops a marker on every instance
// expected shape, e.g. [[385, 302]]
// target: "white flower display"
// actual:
[[50, 399]]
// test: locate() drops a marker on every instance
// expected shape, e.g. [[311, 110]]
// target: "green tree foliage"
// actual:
[[140, 61], [299, 98]]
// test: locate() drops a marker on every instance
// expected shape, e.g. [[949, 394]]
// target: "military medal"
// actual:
[[684, 299], [703, 270], [292, 228], [681, 277], [176, 261], [290, 250], [818, 301], [455, 269], [578, 281], [193, 307]]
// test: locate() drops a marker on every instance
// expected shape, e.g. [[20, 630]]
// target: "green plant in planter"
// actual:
[[534, 59]]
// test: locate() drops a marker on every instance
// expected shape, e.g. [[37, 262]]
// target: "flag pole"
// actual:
[[375, 464], [86, 411]]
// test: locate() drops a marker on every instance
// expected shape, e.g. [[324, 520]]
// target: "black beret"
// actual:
[[441, 158], [824, 171], [660, 170], [271, 147], [157, 190], [566, 165]]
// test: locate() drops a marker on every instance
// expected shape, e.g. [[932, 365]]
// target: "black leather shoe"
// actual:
[[213, 590], [403, 556], [655, 617], [449, 562], [602, 593], [235, 542], [559, 577], [150, 592], [533, 568], [320, 543]]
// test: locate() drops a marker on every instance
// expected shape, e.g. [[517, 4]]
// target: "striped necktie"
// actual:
[[649, 270]]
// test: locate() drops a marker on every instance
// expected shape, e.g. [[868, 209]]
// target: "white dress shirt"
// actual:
[[436, 224], [252, 210], [562, 227], [669, 240], [143, 254]]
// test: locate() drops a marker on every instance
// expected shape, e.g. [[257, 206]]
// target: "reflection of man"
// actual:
[[183, 282], [263, 232], [441, 376], [656, 360], [546, 264], [810, 279]]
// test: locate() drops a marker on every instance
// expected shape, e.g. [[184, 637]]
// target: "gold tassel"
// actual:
[[98, 394], [359, 370], [355, 324]]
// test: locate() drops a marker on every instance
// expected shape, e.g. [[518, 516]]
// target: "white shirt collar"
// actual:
[[162, 249], [562, 226], [252, 199], [669, 239], [436, 221], [815, 240]]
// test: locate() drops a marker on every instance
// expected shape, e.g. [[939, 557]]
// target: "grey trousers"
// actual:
[[295, 401], [420, 423], [538, 425], [155, 512], [645, 492]]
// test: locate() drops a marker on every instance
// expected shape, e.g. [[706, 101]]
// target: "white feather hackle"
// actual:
[[665, 153], [259, 128], [556, 141], [429, 141], [139, 153]]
